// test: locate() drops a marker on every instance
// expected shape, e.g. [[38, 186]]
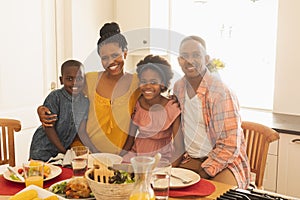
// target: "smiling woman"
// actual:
[[112, 94]]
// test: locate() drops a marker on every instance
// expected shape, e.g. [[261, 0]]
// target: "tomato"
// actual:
[[20, 170]]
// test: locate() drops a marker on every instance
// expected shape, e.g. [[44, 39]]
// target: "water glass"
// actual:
[[161, 179], [34, 173], [79, 160]]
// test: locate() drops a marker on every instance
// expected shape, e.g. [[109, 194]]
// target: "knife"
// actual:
[[16, 173]]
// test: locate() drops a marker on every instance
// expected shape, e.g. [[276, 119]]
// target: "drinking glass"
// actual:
[[161, 179], [79, 160], [34, 173]]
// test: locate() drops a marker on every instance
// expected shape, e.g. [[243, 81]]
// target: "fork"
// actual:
[[183, 180]]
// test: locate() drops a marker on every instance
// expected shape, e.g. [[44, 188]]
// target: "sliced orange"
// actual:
[[47, 169]]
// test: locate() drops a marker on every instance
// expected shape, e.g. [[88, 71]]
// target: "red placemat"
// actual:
[[202, 188], [11, 188]]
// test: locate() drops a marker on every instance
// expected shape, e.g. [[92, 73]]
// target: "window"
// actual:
[[242, 33]]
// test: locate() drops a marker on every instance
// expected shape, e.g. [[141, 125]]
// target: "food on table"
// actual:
[[105, 190], [29, 195], [59, 188], [14, 177], [121, 176], [77, 188], [20, 170], [47, 169], [105, 174], [52, 197]]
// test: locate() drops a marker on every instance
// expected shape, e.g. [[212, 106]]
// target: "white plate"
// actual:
[[184, 173], [67, 180], [42, 193], [55, 171], [106, 158]]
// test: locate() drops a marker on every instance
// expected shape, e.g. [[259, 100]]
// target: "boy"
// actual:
[[71, 107]]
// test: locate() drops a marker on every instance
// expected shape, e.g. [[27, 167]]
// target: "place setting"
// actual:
[[184, 182], [168, 181], [14, 174], [31, 177]]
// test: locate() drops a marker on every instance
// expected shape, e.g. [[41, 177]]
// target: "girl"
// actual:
[[156, 117]]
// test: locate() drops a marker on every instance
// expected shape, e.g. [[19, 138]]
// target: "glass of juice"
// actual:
[[34, 173], [79, 160]]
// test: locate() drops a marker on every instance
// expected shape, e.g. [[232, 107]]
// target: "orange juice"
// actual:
[[34, 180], [141, 196]]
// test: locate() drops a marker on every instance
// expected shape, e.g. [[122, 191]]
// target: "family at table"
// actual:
[[112, 111]]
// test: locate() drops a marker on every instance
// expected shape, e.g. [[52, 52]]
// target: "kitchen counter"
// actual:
[[283, 123]]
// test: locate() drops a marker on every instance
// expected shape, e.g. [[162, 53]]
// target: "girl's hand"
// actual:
[[46, 117]]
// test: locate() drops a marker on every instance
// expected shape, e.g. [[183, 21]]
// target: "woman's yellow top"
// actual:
[[108, 120]]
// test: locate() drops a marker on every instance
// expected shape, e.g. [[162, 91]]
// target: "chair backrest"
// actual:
[[7, 142], [258, 137]]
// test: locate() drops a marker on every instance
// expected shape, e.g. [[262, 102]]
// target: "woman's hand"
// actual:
[[46, 117], [173, 98]]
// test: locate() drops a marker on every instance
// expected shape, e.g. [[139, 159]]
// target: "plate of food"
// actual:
[[50, 172], [74, 188], [181, 178]]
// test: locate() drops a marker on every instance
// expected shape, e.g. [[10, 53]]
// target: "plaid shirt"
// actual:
[[222, 121]]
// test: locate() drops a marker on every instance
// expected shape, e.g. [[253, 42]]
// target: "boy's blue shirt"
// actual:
[[70, 110]]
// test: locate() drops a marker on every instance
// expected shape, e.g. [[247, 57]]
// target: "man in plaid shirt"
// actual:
[[213, 137]]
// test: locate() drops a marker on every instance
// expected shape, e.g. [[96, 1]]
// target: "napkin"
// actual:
[[201, 188], [62, 159]]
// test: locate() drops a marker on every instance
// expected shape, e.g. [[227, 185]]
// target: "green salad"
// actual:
[[59, 188], [121, 176]]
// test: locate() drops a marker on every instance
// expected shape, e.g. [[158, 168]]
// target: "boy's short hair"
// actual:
[[70, 63]]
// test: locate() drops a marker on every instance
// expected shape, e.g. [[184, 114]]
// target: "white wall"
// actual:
[[36, 37], [21, 67], [287, 81], [87, 18]]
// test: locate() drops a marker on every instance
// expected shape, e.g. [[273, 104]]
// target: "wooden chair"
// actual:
[[258, 137], [7, 143]]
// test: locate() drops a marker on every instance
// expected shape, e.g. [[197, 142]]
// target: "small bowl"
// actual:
[[106, 191], [106, 158]]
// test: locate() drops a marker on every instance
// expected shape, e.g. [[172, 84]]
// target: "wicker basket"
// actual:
[[106, 191]]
